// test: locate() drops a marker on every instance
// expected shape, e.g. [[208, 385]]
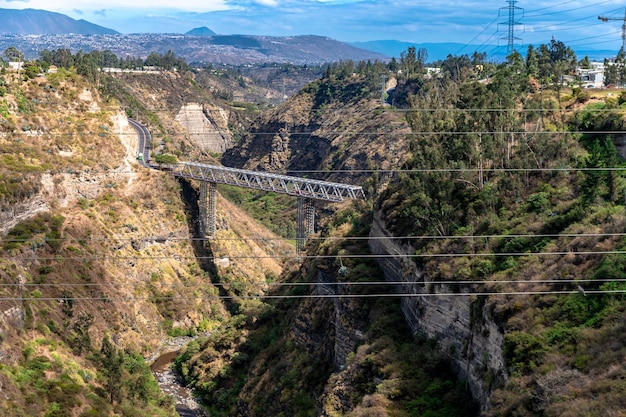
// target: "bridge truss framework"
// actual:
[[306, 190]]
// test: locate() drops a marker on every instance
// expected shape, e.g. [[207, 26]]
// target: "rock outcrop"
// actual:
[[330, 329], [349, 326], [463, 325], [207, 126]]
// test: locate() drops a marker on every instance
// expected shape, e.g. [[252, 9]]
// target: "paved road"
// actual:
[[144, 141]]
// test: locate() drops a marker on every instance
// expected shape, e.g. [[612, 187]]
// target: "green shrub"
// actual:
[[522, 351]]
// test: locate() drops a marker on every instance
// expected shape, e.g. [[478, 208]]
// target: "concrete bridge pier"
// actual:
[[306, 221], [206, 204]]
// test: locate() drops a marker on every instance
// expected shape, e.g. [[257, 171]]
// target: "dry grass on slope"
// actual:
[[249, 256], [124, 237]]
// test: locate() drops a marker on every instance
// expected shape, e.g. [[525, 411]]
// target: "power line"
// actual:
[[554, 5], [606, 19], [569, 43], [338, 284], [475, 37], [386, 171], [36, 135], [304, 256], [433, 170], [322, 238], [313, 296], [387, 132], [587, 6], [413, 133]]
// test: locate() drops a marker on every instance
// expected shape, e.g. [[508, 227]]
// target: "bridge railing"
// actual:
[[258, 180]]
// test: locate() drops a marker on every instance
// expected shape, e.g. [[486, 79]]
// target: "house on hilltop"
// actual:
[[16, 65], [592, 77]]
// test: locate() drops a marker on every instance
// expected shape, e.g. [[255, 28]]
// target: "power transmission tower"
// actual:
[[511, 10], [606, 19]]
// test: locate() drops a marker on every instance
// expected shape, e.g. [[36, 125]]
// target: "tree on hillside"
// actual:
[[154, 60], [168, 61], [532, 62], [165, 159], [112, 366], [585, 63], [108, 59], [413, 61], [620, 67], [611, 74], [393, 65], [479, 58], [457, 67], [555, 61], [15, 55], [60, 57]]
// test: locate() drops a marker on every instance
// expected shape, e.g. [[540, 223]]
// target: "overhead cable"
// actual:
[[312, 296], [321, 238], [303, 256], [276, 284]]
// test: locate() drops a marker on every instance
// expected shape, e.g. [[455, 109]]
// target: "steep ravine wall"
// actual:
[[330, 329], [348, 326], [463, 325]]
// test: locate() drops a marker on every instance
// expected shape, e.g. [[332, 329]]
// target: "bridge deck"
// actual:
[[300, 187]]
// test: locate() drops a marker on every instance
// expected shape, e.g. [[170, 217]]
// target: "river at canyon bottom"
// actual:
[[171, 384]]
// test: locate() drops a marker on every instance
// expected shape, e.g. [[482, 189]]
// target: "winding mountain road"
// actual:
[[143, 144]]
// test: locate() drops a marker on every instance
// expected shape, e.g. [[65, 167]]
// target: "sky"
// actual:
[[470, 22]]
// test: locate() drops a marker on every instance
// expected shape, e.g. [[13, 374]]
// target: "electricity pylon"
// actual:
[[511, 23]]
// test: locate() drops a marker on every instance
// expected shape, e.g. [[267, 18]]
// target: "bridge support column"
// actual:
[[306, 221], [208, 194]]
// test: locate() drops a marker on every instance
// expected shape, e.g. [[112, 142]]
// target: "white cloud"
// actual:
[[67, 6], [270, 3]]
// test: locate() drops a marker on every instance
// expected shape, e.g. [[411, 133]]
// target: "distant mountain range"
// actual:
[[217, 49], [202, 45], [41, 22], [199, 45]]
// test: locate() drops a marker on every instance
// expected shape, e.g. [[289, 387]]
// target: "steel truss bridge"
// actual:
[[306, 190]]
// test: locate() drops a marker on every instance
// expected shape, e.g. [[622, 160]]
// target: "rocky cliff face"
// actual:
[[348, 327], [207, 126], [463, 325], [341, 137], [332, 327]]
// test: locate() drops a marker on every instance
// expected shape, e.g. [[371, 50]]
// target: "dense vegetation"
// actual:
[[506, 158], [53, 385], [260, 346], [512, 156], [508, 167]]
